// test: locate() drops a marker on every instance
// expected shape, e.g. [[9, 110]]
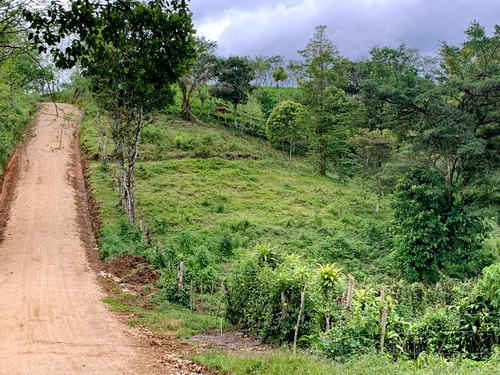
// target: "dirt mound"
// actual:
[[132, 270], [228, 340]]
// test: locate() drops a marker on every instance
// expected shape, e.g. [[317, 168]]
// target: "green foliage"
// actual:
[[167, 321], [20, 75], [113, 41], [374, 150], [279, 362], [328, 276], [434, 230], [265, 300], [234, 75], [489, 285], [345, 341], [267, 103], [327, 104], [280, 75], [286, 123], [204, 69], [244, 216]]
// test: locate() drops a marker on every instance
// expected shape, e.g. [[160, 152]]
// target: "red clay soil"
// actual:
[[52, 320], [132, 270]]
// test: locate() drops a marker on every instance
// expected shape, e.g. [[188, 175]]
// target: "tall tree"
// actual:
[[132, 51], [321, 70], [234, 77]]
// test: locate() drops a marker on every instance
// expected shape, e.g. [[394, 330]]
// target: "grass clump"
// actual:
[[281, 362]]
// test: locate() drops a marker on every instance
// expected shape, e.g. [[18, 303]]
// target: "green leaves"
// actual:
[[233, 80], [287, 122], [434, 230], [328, 275]]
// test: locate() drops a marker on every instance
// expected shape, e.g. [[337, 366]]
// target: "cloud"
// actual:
[[281, 27]]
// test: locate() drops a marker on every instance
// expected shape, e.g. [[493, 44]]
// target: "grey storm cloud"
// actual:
[[281, 27]]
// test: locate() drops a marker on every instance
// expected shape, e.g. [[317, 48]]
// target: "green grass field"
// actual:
[[209, 182]]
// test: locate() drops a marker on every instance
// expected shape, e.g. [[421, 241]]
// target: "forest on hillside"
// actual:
[[345, 207]]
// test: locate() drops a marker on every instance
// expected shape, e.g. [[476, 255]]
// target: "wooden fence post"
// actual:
[[201, 296], [180, 275], [191, 297], [383, 320], [299, 317], [211, 297], [222, 288], [350, 292]]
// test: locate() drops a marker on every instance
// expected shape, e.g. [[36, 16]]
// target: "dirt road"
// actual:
[[51, 318]]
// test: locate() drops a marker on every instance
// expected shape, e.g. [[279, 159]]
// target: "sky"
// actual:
[[281, 27]]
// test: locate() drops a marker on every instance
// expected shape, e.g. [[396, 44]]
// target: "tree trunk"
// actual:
[[327, 320], [320, 131], [186, 108], [130, 145], [235, 115], [101, 134]]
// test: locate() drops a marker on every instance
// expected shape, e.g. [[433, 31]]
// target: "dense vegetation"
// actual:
[[21, 76], [350, 214]]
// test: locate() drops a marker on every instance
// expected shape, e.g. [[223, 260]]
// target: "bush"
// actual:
[[343, 342], [264, 298]]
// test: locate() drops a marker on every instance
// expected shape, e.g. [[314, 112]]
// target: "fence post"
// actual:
[[180, 275], [211, 297], [222, 288], [201, 296], [191, 297], [350, 292], [383, 320]]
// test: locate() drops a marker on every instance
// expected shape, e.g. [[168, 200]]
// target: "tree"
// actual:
[[451, 124], [433, 232], [286, 122], [203, 70], [321, 71], [336, 123], [374, 149], [234, 75], [132, 52], [11, 29], [280, 75], [267, 103], [328, 276], [264, 67]]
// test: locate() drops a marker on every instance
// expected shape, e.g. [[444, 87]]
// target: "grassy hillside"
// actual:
[[207, 185], [209, 196]]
